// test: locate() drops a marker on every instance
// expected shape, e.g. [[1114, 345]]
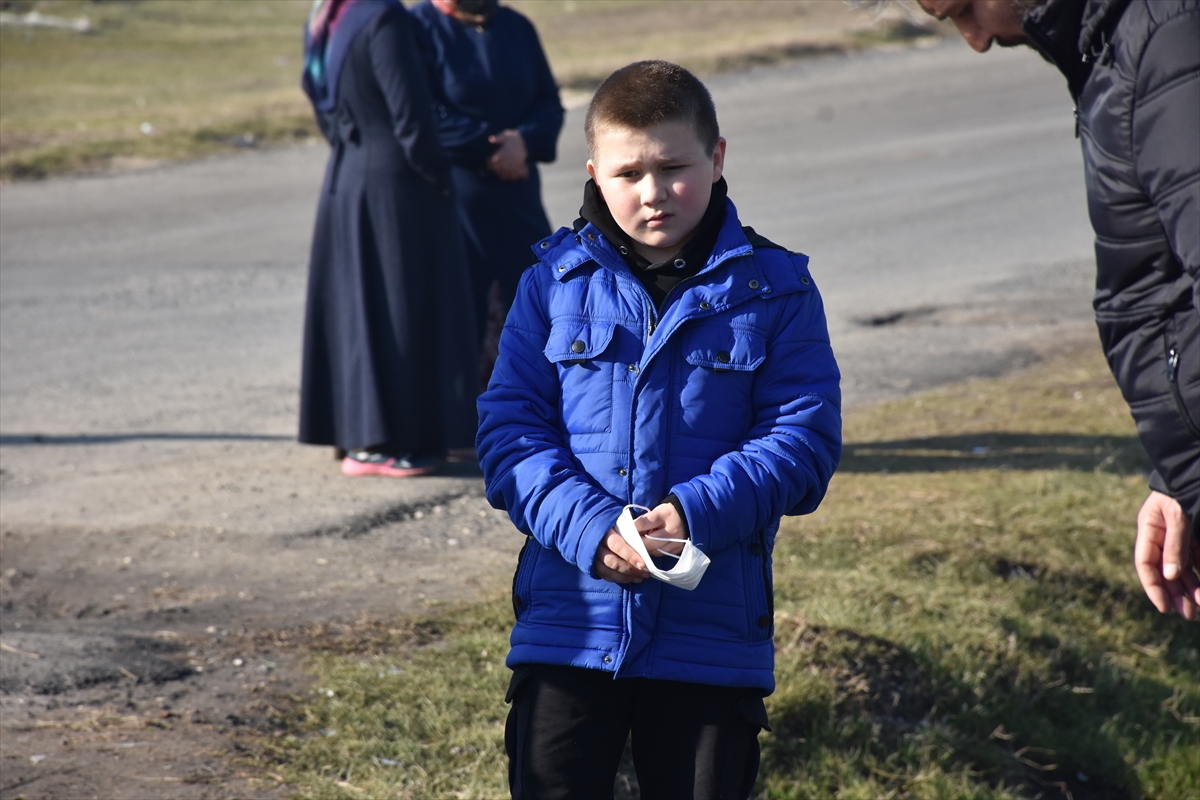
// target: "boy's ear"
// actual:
[[591, 168], [718, 160]]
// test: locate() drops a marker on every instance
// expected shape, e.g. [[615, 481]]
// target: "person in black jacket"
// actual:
[[1133, 69], [390, 359]]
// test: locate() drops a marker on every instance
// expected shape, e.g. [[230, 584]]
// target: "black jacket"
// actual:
[[1133, 68]]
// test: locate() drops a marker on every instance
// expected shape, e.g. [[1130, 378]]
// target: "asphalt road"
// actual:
[[150, 322]]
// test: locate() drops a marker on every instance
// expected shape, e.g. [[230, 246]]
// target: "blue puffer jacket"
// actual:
[[730, 400]]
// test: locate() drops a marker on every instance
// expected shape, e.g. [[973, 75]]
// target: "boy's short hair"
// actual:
[[648, 93]]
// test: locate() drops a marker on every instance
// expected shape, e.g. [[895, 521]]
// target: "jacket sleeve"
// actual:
[[401, 77], [528, 469], [541, 127], [785, 464], [1166, 136]]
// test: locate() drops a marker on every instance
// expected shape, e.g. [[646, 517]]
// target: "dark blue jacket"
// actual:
[[483, 81], [729, 399]]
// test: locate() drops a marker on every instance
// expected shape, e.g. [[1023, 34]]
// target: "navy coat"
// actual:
[[389, 344], [484, 81], [728, 398]]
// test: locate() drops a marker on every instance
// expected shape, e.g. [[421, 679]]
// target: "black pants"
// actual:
[[568, 726]]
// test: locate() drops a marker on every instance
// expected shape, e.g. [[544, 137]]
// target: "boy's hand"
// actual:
[[616, 561], [663, 522]]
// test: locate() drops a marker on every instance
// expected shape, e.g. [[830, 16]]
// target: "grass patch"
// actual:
[[950, 624], [209, 76]]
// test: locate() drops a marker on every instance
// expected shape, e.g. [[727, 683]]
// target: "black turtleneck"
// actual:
[[659, 279]]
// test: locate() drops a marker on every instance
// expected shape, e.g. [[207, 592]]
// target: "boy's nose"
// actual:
[[654, 190]]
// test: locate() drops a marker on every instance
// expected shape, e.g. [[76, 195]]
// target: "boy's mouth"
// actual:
[[658, 220]]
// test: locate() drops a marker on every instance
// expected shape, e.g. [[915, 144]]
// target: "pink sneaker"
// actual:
[[361, 462]]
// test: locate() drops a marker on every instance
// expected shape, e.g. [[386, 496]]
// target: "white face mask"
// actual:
[[689, 567]]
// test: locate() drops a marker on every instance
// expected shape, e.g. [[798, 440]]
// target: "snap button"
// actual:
[[764, 621], [756, 549], [577, 346], [592, 237], [705, 306], [624, 250], [633, 367], [578, 239], [680, 263], [563, 268], [804, 279], [723, 356], [608, 659], [545, 245], [753, 284], [622, 472]]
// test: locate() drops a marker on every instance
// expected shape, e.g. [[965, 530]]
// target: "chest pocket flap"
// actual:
[[726, 349], [577, 340]]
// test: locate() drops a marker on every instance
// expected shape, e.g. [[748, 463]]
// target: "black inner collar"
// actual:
[[658, 278]]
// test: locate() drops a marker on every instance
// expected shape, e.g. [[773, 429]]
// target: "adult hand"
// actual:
[[617, 562], [510, 162], [662, 522], [1167, 556]]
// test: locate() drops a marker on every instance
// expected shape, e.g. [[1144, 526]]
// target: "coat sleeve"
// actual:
[[401, 77], [785, 464], [528, 469], [541, 127], [1166, 134]]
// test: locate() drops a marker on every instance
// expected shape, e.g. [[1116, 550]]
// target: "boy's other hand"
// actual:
[[616, 561], [662, 522], [510, 162], [1167, 556]]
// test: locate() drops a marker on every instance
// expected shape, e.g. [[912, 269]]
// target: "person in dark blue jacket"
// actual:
[[498, 114], [658, 355]]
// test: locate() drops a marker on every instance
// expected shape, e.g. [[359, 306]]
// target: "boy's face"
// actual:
[[657, 183]]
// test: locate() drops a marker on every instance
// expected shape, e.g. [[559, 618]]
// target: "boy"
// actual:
[[657, 354]]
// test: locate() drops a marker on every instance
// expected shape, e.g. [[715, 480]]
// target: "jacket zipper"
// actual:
[[1173, 380]]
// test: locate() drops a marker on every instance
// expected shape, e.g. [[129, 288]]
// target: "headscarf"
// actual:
[[332, 26], [472, 12]]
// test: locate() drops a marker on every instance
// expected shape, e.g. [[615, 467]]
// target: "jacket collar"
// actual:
[[567, 250], [1072, 35]]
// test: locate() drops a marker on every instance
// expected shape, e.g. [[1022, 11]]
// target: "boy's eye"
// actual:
[[629, 174]]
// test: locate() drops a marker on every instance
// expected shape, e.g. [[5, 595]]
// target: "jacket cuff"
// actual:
[[591, 538], [673, 499], [691, 508]]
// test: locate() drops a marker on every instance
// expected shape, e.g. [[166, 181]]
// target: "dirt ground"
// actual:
[[134, 658]]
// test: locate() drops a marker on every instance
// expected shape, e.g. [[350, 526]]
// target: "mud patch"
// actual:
[[52, 664]]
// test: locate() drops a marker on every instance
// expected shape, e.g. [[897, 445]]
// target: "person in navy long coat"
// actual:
[[498, 115], [390, 362]]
